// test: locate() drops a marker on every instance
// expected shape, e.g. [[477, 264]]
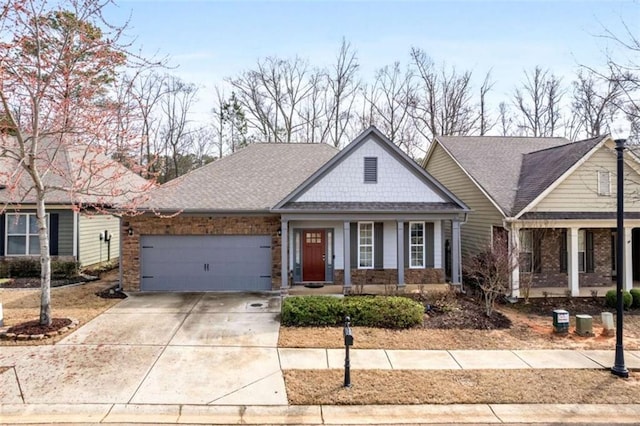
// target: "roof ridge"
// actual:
[[595, 138]]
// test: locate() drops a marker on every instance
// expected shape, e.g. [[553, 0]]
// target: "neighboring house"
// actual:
[[85, 234], [554, 200], [274, 214]]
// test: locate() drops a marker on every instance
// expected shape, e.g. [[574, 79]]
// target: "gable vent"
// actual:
[[370, 169]]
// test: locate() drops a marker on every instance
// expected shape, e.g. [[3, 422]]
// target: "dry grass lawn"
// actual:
[[460, 387], [79, 302]]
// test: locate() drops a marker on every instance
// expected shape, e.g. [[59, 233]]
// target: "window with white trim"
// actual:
[[582, 250], [604, 182], [365, 245], [416, 245], [22, 234]]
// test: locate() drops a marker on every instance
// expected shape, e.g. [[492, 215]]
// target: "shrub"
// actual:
[[369, 311], [635, 295], [64, 269], [611, 298], [30, 268], [23, 268]]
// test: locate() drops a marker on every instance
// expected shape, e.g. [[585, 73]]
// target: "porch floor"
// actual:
[[300, 290]]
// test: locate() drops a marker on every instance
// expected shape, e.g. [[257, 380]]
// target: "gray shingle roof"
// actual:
[[577, 215], [255, 178], [495, 162]]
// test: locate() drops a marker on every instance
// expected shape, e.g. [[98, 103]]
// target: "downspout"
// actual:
[[119, 288]]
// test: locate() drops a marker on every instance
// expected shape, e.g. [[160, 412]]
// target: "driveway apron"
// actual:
[[159, 348]]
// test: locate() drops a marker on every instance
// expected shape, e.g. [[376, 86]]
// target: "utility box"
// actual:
[[584, 325], [560, 321], [607, 324]]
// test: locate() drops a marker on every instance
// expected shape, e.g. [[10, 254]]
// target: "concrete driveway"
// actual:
[[189, 348]]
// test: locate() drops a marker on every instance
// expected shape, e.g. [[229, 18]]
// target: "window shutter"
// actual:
[[406, 245], [353, 230], [536, 236], [428, 245], [53, 234], [563, 251], [370, 169], [378, 231], [590, 258], [2, 220]]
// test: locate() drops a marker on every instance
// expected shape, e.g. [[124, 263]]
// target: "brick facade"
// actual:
[[550, 275], [390, 276], [194, 225]]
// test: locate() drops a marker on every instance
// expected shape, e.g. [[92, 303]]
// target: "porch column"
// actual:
[[346, 237], [284, 252], [573, 266], [456, 265], [514, 255], [400, 253], [437, 244], [628, 259]]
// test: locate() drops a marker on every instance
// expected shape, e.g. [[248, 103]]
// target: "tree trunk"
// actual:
[[45, 262]]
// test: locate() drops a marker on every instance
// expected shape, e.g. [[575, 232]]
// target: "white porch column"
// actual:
[[284, 254], [628, 259], [514, 254], [400, 250], [572, 262], [346, 237], [437, 244], [456, 261]]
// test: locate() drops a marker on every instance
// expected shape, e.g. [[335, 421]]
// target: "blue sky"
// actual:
[[210, 40]]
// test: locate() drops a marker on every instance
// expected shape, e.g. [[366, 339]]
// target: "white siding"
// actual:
[[345, 182], [579, 191], [390, 241], [92, 250]]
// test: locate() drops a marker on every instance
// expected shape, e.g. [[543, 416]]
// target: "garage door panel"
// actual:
[[206, 263]]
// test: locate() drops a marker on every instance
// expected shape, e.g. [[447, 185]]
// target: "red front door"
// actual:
[[313, 255]]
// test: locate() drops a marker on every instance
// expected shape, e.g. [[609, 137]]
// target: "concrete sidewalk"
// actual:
[[387, 359], [320, 415]]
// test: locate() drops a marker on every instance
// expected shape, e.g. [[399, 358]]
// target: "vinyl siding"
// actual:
[[476, 233], [91, 249], [579, 191]]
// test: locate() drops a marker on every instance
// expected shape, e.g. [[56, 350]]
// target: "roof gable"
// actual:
[[399, 179]]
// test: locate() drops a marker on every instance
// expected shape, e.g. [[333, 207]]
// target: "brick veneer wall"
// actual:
[[550, 251], [194, 225], [390, 276]]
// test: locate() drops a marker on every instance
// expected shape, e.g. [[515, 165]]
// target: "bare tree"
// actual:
[[538, 103], [57, 65], [486, 124], [505, 120]]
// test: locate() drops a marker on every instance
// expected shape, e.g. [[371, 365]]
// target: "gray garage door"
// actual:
[[206, 263]]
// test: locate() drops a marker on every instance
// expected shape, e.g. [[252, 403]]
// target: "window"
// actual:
[[22, 234], [370, 169], [581, 250], [365, 245], [416, 245], [526, 250], [586, 259], [604, 183]]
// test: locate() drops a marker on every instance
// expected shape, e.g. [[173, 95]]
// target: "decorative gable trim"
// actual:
[[475, 182], [566, 174], [400, 156]]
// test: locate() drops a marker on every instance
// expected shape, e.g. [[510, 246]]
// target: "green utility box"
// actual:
[[560, 321]]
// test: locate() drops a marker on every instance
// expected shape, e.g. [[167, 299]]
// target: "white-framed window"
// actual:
[[604, 182], [416, 245], [582, 250], [526, 250], [22, 234], [365, 245]]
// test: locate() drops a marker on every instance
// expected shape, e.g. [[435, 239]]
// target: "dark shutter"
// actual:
[[536, 236], [378, 245], [370, 169], [53, 234], [354, 245], [428, 245], [590, 258], [406, 245], [563, 250], [1, 235]]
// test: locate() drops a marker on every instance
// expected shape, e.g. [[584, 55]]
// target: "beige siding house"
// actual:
[[553, 199]]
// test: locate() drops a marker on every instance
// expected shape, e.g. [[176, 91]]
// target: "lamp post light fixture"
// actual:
[[619, 368]]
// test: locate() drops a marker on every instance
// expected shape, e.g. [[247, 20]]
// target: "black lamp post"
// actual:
[[619, 368]]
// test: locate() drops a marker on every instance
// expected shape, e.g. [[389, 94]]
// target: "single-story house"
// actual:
[[273, 215], [80, 229], [553, 200]]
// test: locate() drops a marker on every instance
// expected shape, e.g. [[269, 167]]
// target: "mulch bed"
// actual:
[[35, 282], [34, 327], [111, 293], [463, 313]]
